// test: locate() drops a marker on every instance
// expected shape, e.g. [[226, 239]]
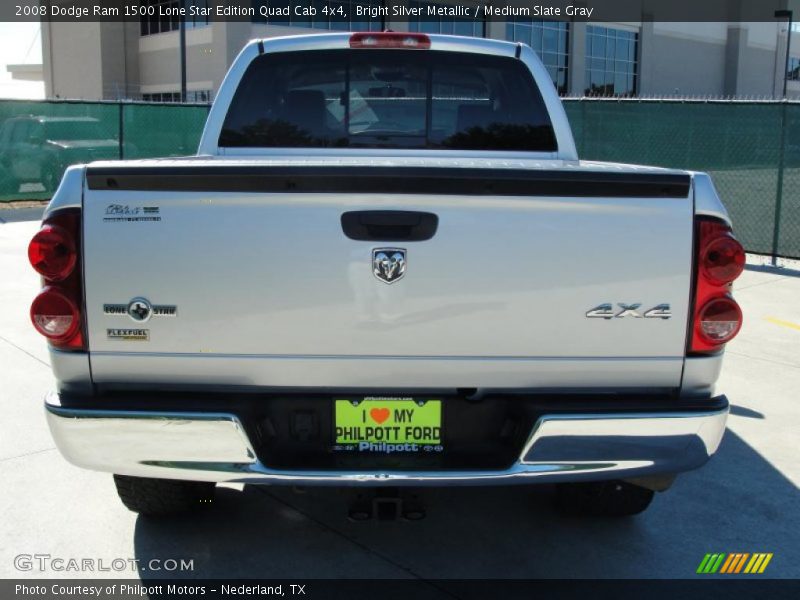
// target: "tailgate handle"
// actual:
[[389, 225]]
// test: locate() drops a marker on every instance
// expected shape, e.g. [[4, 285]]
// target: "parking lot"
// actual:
[[745, 500]]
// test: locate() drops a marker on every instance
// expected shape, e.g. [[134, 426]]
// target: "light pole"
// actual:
[[781, 14], [183, 50], [786, 14]]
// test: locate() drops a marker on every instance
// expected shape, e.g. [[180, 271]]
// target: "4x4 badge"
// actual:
[[607, 311]]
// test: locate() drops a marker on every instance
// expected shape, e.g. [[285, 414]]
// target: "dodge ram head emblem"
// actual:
[[389, 264]]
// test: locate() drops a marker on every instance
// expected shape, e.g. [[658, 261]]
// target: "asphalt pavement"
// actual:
[[745, 500]]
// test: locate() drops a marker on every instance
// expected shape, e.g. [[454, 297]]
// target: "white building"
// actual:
[[143, 60]]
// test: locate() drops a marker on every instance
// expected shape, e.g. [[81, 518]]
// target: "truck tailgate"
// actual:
[[269, 291]]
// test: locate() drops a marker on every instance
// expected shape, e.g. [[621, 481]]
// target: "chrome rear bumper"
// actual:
[[215, 447]]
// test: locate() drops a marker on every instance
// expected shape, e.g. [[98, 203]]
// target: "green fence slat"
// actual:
[[38, 140], [162, 130], [737, 143]]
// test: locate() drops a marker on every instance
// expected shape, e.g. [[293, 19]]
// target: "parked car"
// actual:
[[386, 266], [37, 149]]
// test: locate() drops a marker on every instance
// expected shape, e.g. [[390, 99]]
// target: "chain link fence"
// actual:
[[39, 139], [751, 149]]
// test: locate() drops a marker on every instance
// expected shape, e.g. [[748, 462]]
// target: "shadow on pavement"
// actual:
[[783, 271], [742, 411], [737, 503]]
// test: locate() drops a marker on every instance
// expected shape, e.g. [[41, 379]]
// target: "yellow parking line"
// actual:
[[783, 323]]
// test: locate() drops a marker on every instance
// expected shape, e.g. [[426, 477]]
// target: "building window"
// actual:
[[203, 96], [550, 41], [794, 69], [150, 24], [610, 61], [443, 24], [162, 97], [337, 15], [196, 20]]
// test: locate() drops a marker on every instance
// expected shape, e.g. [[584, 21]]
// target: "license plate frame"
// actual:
[[388, 425]]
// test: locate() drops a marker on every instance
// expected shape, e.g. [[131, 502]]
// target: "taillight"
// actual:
[[720, 258], [54, 315], [55, 252], [720, 320], [52, 252], [390, 39]]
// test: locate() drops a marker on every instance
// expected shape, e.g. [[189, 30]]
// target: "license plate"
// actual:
[[388, 425]]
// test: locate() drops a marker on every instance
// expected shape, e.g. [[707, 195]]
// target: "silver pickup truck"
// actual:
[[386, 266]]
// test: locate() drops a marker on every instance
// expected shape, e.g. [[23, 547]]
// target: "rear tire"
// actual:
[[161, 497], [602, 499]]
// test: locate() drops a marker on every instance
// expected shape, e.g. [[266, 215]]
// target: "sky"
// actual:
[[19, 43]]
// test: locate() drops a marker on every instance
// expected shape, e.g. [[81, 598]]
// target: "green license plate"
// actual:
[[372, 424]]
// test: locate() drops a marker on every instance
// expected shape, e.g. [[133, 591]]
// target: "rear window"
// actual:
[[388, 99]]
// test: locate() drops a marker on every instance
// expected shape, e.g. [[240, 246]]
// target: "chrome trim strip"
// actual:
[[215, 447]]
